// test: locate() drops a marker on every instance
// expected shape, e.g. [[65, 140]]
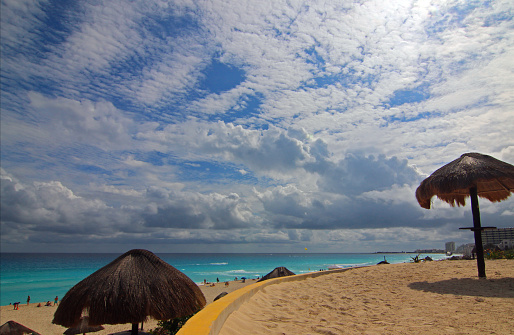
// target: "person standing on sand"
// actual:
[[56, 300], [28, 300]]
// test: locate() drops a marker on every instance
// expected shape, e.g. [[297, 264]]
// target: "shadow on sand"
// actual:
[[500, 288]]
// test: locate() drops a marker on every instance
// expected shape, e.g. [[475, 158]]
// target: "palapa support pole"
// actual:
[[477, 230], [134, 328]]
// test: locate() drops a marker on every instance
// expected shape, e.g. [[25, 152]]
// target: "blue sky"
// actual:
[[247, 126]]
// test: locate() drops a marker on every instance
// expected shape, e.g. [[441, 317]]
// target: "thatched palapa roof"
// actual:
[[136, 285], [494, 180], [280, 271], [14, 328]]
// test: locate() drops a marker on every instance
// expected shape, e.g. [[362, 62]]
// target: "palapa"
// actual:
[[471, 175], [494, 180], [133, 287], [280, 271], [14, 328]]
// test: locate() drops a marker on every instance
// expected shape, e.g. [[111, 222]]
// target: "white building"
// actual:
[[496, 236], [506, 244], [466, 249], [450, 247]]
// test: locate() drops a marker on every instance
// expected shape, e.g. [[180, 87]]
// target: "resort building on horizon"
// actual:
[[466, 249], [503, 238], [449, 247], [500, 237], [429, 251]]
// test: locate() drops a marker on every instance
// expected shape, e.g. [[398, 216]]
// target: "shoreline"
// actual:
[[441, 290], [39, 319], [55, 275]]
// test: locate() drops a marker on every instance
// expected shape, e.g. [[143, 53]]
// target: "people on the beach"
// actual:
[[16, 305], [38, 305], [48, 303], [28, 300], [56, 300]]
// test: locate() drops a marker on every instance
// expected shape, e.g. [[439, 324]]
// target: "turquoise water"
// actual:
[[44, 276]]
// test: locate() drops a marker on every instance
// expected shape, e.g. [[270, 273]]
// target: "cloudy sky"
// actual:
[[247, 126]]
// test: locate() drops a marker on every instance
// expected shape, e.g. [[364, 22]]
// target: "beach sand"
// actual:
[[39, 319], [443, 297], [440, 297]]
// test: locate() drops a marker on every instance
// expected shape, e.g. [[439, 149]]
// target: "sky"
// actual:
[[247, 126]]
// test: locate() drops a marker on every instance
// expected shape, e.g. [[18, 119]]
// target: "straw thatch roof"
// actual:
[[14, 328], [221, 295], [83, 327], [134, 286], [494, 180], [281, 271]]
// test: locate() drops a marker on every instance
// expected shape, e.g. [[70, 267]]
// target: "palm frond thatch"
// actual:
[[494, 180], [14, 328], [134, 286], [280, 271]]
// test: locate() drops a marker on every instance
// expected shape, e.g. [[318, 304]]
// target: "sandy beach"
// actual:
[[443, 297], [40, 318]]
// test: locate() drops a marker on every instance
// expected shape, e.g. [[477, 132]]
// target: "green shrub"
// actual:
[[170, 327], [509, 254], [499, 254]]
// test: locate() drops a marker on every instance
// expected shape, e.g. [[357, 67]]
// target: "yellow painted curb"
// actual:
[[210, 320]]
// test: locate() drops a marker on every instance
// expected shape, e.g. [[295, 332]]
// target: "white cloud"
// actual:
[[50, 206], [99, 124], [194, 210], [173, 75], [104, 112], [19, 17]]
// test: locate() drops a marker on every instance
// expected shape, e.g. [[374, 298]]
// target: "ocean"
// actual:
[[44, 276]]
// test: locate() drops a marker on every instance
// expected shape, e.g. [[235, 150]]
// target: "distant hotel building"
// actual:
[[449, 247], [429, 251], [502, 237], [466, 249]]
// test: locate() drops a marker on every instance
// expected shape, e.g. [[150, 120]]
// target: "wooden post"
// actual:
[[134, 329], [477, 229]]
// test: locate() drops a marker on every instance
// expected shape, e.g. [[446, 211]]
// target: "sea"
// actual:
[[44, 276]]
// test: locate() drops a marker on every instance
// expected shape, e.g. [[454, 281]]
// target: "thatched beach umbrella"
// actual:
[[134, 286], [280, 271], [474, 175], [14, 328], [83, 327]]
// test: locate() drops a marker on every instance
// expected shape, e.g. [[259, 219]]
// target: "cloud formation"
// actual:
[[240, 124]]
